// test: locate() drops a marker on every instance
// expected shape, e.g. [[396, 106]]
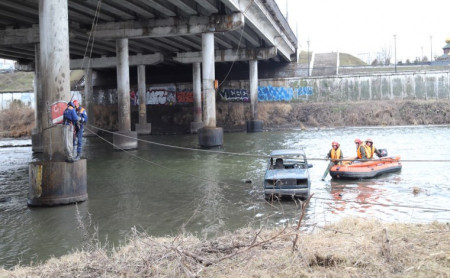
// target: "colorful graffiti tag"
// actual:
[[270, 93], [185, 97], [304, 91], [230, 94], [161, 96]]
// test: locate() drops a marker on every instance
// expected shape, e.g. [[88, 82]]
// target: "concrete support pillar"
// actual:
[[89, 100], [36, 133], [254, 125], [125, 138], [197, 94], [209, 135], [142, 127], [52, 180]]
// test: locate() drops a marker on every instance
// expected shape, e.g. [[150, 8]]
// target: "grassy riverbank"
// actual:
[[351, 248]]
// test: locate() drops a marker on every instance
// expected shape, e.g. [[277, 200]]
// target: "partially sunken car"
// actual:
[[287, 175]]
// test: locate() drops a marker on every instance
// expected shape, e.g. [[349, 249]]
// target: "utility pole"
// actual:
[[431, 49], [395, 52], [287, 10], [308, 56]]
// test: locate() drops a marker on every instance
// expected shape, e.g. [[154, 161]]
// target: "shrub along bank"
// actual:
[[17, 121], [232, 116]]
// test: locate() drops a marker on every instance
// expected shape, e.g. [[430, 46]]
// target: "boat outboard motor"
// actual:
[[383, 152]]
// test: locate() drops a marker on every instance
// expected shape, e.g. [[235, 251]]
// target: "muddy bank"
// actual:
[[232, 116], [351, 248]]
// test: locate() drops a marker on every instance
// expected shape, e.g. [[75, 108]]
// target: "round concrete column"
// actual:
[[197, 94], [89, 99], [209, 135], [142, 127], [52, 180], [254, 125], [125, 138], [36, 133]]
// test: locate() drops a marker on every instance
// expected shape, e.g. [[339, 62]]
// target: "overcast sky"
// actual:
[[358, 26]]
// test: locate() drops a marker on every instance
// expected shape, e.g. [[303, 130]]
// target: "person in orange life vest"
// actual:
[[335, 154], [79, 127], [360, 149], [70, 119], [370, 150]]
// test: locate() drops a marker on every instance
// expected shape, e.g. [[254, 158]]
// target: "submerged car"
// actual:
[[287, 175]]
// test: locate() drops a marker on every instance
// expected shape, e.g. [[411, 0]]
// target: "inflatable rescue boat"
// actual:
[[354, 169]]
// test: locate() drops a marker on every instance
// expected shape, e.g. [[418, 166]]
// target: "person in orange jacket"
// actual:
[[360, 149], [335, 155]]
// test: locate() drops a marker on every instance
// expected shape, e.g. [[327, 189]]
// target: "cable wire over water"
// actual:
[[251, 155], [247, 155]]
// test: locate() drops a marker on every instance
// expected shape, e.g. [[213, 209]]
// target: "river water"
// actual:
[[164, 191]]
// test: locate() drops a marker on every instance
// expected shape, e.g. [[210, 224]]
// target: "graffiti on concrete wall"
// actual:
[[161, 96], [271, 93], [230, 94], [185, 96], [304, 91]]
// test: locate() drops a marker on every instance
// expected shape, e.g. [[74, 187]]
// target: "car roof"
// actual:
[[286, 152]]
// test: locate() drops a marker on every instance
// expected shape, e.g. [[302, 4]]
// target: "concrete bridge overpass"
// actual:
[[53, 36]]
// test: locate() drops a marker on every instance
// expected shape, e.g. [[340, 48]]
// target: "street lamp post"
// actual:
[[431, 49], [422, 54], [395, 52], [308, 56]]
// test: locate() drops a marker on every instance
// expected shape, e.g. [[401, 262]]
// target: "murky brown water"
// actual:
[[168, 191]]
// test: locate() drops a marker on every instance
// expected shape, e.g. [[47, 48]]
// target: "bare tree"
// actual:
[[384, 56]]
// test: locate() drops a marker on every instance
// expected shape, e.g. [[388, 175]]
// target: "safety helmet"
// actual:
[[75, 102], [334, 143], [368, 140], [358, 141], [70, 104]]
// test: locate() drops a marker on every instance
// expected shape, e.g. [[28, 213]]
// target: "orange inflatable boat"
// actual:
[[354, 169]]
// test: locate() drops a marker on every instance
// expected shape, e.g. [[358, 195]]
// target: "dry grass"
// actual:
[[17, 121], [232, 116], [350, 248], [16, 81]]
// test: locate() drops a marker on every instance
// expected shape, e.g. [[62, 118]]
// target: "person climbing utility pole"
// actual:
[[79, 128], [70, 119], [335, 154]]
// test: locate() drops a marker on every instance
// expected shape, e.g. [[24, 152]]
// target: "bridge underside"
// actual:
[[166, 28]]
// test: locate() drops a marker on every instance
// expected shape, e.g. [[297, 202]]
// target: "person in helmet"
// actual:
[[79, 128], [370, 149], [70, 119], [335, 155], [360, 149]]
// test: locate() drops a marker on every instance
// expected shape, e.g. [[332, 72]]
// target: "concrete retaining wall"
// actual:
[[427, 85], [389, 86], [26, 98]]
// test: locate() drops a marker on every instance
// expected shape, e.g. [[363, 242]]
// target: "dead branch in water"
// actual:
[[300, 221]]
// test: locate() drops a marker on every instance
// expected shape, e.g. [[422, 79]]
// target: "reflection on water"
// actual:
[[168, 191]]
